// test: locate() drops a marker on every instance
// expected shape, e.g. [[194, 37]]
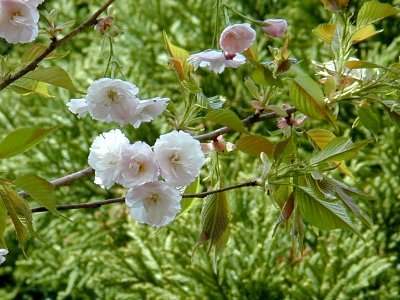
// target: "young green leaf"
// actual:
[[325, 32], [373, 11], [255, 144], [215, 218], [323, 214], [187, 203], [364, 33], [26, 86], [370, 119], [336, 150], [22, 139], [54, 76], [307, 97], [226, 118], [178, 59], [40, 189]]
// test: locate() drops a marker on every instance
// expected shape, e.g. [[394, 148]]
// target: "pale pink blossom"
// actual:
[[137, 165], [275, 27], [3, 252], [108, 100], [218, 145], [18, 21], [284, 122], [237, 38], [216, 60], [105, 157], [154, 203], [179, 156]]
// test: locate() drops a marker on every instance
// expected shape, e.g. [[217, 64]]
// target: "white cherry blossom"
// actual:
[[237, 38], [3, 252], [105, 156], [138, 165], [180, 157], [154, 203], [33, 3], [108, 100], [216, 61], [18, 21], [148, 110]]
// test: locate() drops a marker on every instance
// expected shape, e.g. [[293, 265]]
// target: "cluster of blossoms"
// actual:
[[233, 40], [115, 100], [3, 252], [18, 20], [153, 176]]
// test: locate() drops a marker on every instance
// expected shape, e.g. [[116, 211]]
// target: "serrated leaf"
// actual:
[[325, 32], [361, 64], [38, 49], [187, 203], [255, 144], [337, 149], [264, 77], [286, 212], [19, 212], [321, 138], [54, 76], [373, 11], [226, 118], [23, 139], [26, 86], [252, 88], [178, 59], [370, 119], [307, 97], [215, 218], [41, 190], [323, 214], [252, 53], [364, 33]]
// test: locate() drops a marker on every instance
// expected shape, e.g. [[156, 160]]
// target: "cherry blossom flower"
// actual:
[[148, 110], [154, 203], [179, 156], [237, 38], [105, 156], [3, 252], [115, 100], [218, 145], [275, 27], [18, 21], [138, 165], [216, 60], [103, 24], [109, 100]]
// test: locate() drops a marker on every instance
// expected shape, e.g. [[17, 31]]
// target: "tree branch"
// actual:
[[54, 45], [100, 203]]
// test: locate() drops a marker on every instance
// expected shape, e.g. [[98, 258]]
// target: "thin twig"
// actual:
[[247, 121], [100, 203], [54, 45]]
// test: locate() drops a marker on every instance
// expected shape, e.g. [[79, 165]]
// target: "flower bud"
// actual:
[[103, 25], [275, 27], [237, 38]]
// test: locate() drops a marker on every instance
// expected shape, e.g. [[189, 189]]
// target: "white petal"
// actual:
[[78, 106]]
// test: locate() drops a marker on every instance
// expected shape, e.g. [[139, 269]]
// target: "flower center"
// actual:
[[15, 14], [112, 95], [154, 199]]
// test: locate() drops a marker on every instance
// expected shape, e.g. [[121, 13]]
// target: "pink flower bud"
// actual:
[[275, 27], [103, 25], [237, 38], [282, 122]]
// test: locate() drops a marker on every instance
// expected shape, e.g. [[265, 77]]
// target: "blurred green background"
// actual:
[[104, 254]]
